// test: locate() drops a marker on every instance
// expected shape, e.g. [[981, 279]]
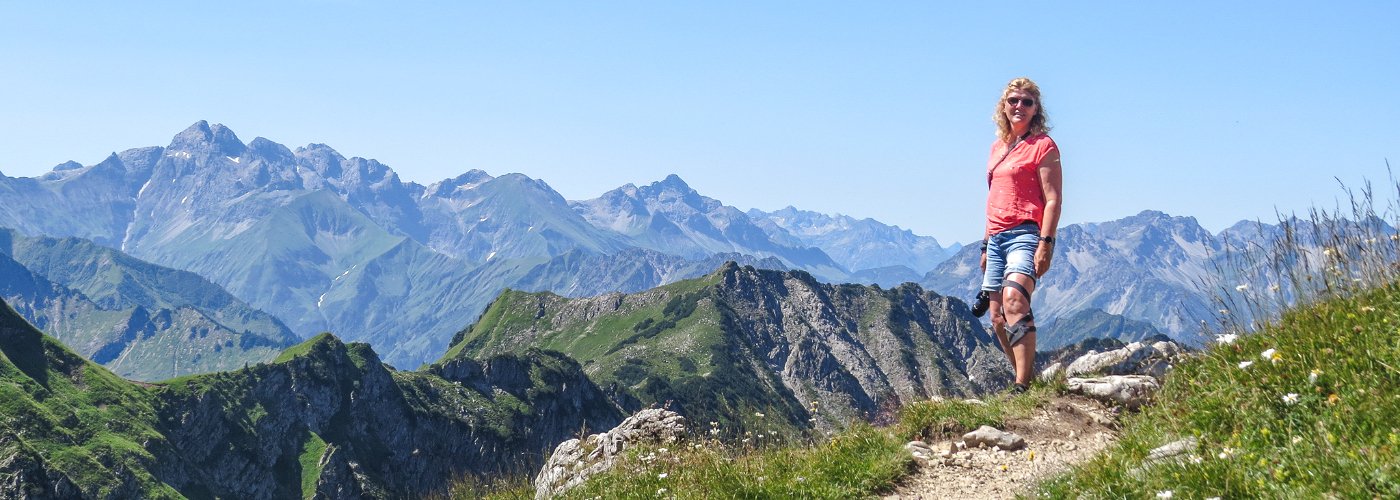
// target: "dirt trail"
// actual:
[[1069, 430]]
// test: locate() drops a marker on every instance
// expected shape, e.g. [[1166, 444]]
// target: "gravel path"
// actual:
[[1069, 430]]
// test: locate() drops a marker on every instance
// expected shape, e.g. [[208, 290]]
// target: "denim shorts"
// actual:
[[1011, 251]]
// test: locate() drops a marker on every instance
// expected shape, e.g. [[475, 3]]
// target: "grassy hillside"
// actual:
[[71, 426]]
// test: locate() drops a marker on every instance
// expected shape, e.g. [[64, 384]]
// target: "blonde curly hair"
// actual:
[[1039, 122]]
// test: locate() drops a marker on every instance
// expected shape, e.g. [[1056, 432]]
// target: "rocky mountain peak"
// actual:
[[67, 165], [214, 138], [447, 187]]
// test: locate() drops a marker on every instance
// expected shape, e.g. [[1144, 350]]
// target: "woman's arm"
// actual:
[[1050, 221]]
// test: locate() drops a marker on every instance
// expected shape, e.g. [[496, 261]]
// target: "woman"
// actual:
[[1023, 212]]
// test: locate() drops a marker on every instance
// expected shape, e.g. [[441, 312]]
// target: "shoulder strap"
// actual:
[[1004, 154]]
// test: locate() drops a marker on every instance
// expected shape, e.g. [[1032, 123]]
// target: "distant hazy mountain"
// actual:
[[339, 244], [857, 245], [670, 217], [141, 320]]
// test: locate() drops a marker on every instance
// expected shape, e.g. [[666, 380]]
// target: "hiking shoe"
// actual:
[[980, 305], [1018, 389]]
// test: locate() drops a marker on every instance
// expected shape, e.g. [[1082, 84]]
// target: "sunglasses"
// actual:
[[1027, 102]]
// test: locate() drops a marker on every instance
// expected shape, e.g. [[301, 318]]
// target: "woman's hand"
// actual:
[[1043, 252]]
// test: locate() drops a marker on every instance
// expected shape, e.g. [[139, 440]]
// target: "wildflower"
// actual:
[[661, 450], [1213, 498], [1333, 399], [714, 432], [1297, 439], [1312, 376], [1228, 338], [758, 414], [1245, 364], [1328, 251], [1268, 354], [1003, 467], [1164, 494], [1368, 309], [1227, 452], [714, 424], [1241, 288], [1030, 456], [745, 440], [662, 475], [813, 419], [1195, 459], [1290, 398], [801, 479], [661, 491]]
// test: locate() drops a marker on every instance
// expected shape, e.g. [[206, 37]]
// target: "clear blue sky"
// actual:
[[1218, 110]]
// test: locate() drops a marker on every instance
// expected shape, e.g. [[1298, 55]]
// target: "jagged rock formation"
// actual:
[[575, 460], [326, 419], [743, 340]]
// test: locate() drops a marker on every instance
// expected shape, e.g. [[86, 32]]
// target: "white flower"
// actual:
[[714, 432], [1164, 494], [1227, 452], [1245, 364], [1228, 338], [1213, 498], [661, 450], [1312, 376], [661, 491], [1290, 398], [1268, 354], [801, 479], [1297, 439], [662, 475], [1195, 459], [758, 414], [1241, 288]]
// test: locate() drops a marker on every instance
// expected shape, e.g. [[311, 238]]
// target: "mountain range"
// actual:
[[327, 243]]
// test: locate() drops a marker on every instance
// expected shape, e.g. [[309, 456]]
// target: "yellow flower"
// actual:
[[1333, 399]]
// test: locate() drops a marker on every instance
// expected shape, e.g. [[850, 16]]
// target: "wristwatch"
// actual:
[[1048, 239]]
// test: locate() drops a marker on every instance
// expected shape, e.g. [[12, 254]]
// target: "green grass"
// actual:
[[311, 451], [854, 463], [1339, 438]]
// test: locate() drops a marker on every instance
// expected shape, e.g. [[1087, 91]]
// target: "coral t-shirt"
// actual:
[[1014, 196]]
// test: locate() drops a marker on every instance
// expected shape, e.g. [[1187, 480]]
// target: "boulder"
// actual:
[[991, 436], [1130, 391], [575, 460]]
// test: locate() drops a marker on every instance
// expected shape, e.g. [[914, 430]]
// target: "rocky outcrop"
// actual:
[[575, 460], [1130, 391], [1137, 358]]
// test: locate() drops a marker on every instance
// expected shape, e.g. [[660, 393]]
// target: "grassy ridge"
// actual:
[[1315, 416]]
